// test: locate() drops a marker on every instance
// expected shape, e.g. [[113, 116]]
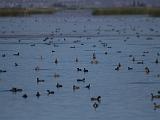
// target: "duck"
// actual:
[[16, 54], [155, 96], [3, 71], [88, 86], [24, 96], [94, 56], [156, 61], [14, 89], [38, 80], [140, 62], [56, 75], [3, 55], [95, 105], [81, 80], [50, 92], [38, 94], [156, 106], [78, 69], [77, 60], [133, 59], [117, 68], [85, 70], [56, 61], [16, 64], [119, 65], [98, 98], [37, 68], [75, 87], [59, 85], [147, 70], [130, 68]]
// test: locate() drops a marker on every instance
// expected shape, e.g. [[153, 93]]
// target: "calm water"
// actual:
[[125, 93]]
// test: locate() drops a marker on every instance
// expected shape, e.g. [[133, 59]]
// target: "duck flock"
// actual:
[[92, 59]]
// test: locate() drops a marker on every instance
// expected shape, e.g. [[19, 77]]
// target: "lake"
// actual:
[[114, 49]]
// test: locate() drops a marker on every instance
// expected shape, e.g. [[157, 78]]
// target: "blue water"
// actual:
[[125, 93]]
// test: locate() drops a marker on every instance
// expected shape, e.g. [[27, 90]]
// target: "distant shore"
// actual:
[[25, 11], [127, 11], [155, 12]]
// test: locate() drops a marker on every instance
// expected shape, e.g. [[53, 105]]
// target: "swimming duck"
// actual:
[[37, 68], [156, 61], [81, 80], [2, 71], [147, 70], [59, 85], [130, 68], [38, 80], [50, 92], [76, 59], [25, 96], [78, 69], [56, 61], [16, 54], [14, 89], [38, 94], [156, 106], [88, 86], [85, 70], [15, 64], [98, 98], [95, 105], [75, 87], [155, 96]]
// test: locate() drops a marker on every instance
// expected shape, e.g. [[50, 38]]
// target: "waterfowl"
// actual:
[[37, 68], [59, 85], [94, 56], [56, 75], [98, 98], [147, 70], [76, 59], [140, 62], [45, 39], [50, 92], [156, 61], [3, 55], [78, 69], [75, 87], [85, 70], [119, 65], [88, 86], [16, 54], [81, 80], [14, 89], [156, 106], [56, 61], [15, 64], [38, 80], [155, 96], [3, 71], [38, 94], [133, 59], [117, 68], [24, 96], [95, 105], [130, 68]]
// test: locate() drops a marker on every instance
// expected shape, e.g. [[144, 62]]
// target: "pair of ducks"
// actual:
[[77, 87], [96, 99]]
